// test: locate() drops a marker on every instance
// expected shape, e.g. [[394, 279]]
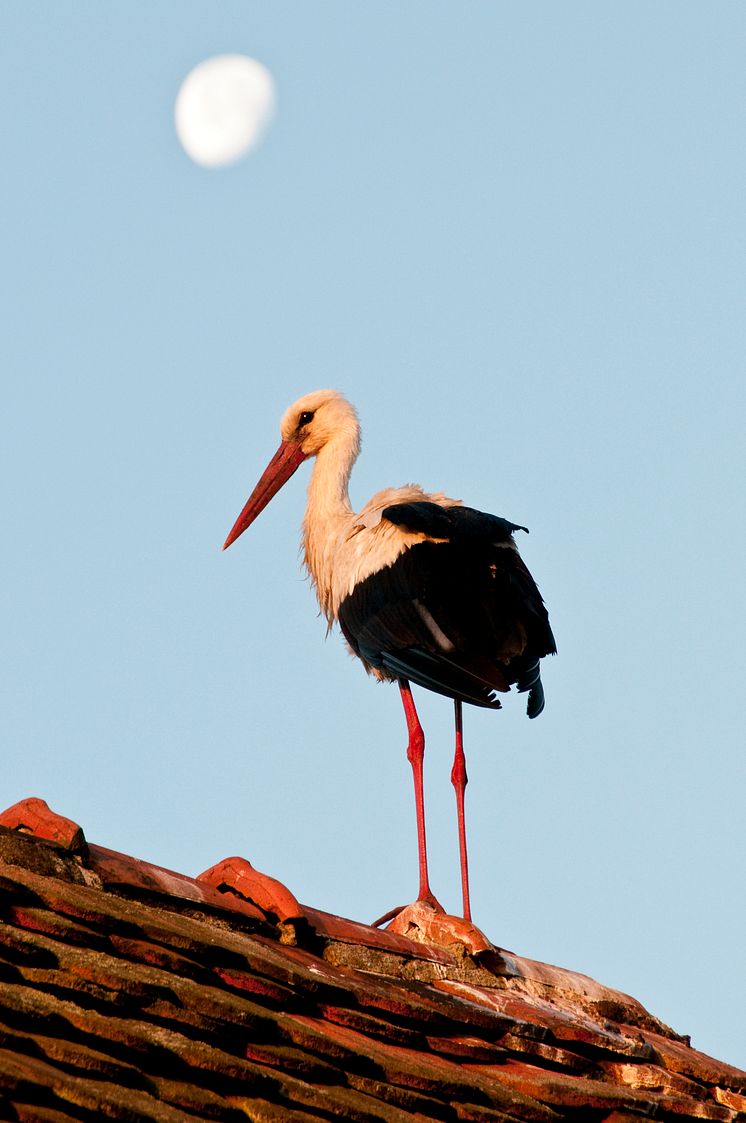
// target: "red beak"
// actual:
[[285, 461]]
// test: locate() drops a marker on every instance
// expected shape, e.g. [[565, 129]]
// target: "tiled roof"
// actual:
[[130, 992]]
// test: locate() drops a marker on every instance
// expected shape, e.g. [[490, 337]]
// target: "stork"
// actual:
[[424, 589]]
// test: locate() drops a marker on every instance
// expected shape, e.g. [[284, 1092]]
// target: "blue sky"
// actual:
[[513, 235]]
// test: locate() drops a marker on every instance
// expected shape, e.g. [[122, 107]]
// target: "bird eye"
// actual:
[[305, 417]]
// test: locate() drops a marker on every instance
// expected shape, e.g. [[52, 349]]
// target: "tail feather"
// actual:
[[530, 680]]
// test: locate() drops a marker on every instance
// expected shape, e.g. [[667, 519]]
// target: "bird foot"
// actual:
[[427, 924], [429, 901]]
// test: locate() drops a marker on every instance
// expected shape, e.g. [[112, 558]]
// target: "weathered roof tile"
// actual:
[[563, 1090], [26, 1080]]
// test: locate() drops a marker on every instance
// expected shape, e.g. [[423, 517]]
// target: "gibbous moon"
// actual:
[[223, 108]]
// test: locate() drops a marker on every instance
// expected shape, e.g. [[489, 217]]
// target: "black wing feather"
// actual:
[[463, 523], [461, 616]]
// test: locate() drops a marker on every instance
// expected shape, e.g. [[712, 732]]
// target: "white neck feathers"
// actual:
[[329, 515]]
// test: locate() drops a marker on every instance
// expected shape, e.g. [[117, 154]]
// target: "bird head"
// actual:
[[318, 418], [321, 419]]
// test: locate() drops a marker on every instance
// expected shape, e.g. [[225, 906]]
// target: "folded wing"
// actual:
[[457, 613]]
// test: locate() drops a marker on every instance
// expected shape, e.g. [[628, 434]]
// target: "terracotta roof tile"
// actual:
[[132, 992], [563, 1090]]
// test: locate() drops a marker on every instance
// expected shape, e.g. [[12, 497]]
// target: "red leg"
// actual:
[[459, 779], [415, 754]]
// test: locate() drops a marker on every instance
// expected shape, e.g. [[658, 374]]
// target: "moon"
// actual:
[[223, 108]]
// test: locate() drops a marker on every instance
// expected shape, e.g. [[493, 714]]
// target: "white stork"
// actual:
[[424, 589]]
